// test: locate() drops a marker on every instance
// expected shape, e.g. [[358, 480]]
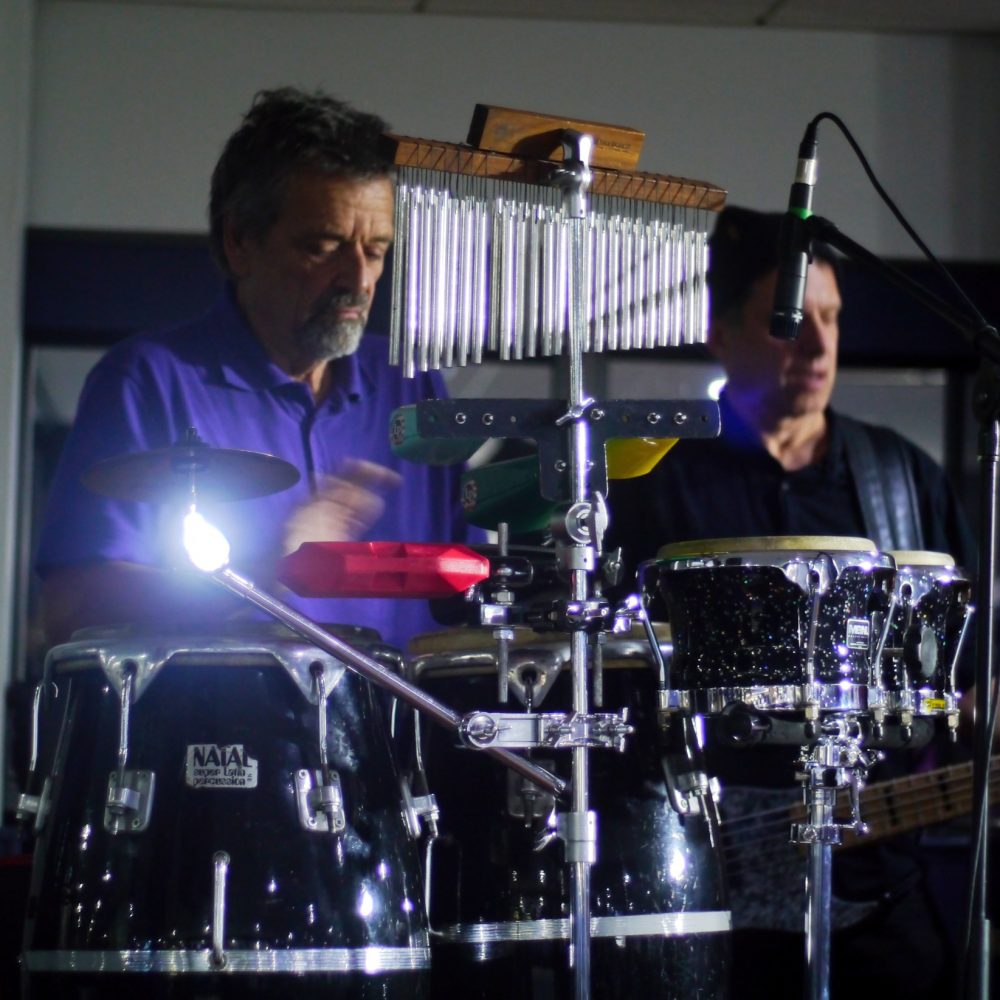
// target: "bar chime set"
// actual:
[[482, 259]]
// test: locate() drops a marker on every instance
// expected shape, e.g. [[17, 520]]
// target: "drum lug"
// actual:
[[547, 834], [130, 793], [686, 791], [129, 801], [952, 719], [418, 809], [36, 806], [527, 801], [877, 712], [317, 793], [220, 872], [320, 803]]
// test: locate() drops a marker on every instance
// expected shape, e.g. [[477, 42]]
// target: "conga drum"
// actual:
[[224, 819], [498, 886]]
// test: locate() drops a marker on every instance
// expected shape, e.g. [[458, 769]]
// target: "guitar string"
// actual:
[[872, 793], [904, 803], [778, 830], [736, 855]]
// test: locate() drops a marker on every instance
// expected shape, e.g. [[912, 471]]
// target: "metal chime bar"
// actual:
[[482, 260]]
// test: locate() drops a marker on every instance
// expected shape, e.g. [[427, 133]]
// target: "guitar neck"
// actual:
[[762, 866], [917, 800]]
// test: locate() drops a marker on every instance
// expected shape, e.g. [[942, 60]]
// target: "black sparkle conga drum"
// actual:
[[224, 819], [498, 886], [926, 635], [779, 623]]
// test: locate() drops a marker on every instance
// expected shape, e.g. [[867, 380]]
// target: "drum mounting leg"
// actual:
[[130, 793], [835, 761]]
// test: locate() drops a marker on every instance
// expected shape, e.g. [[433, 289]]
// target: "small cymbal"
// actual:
[[166, 475]]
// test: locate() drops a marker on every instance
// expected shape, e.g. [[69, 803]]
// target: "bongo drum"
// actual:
[[780, 623], [926, 634]]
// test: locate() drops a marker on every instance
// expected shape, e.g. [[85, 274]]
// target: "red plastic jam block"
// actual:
[[382, 569]]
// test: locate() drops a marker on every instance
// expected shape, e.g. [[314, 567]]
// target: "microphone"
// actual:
[[793, 244]]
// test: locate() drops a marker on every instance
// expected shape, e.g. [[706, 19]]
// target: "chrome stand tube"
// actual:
[[373, 671], [836, 761], [580, 830], [819, 881]]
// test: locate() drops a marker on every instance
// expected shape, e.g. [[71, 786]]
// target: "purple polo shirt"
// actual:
[[214, 375]]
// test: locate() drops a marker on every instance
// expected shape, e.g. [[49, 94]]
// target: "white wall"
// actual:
[[133, 102]]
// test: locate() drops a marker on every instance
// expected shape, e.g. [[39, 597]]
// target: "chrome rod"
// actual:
[[580, 826], [411, 312], [399, 269], [819, 882], [373, 671], [481, 321]]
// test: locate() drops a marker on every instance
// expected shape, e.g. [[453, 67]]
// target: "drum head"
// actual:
[[465, 640], [765, 543], [915, 557]]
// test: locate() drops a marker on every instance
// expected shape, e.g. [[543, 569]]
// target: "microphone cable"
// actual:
[[900, 218]]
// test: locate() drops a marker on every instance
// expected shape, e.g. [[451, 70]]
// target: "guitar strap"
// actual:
[[883, 479]]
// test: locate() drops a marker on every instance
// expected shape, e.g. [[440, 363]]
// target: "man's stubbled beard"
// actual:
[[324, 336]]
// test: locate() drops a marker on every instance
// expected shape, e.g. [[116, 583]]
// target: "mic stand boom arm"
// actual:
[[986, 409], [980, 334]]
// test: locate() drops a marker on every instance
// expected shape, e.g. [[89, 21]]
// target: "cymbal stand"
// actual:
[[582, 529], [835, 761], [579, 531]]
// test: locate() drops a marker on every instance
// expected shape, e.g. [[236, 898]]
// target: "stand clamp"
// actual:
[[555, 730]]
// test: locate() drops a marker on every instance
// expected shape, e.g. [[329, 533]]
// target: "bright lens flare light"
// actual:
[[207, 547], [715, 388]]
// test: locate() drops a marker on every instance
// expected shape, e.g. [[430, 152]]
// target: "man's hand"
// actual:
[[345, 506]]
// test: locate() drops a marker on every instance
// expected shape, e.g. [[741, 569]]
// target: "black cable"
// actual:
[[900, 218]]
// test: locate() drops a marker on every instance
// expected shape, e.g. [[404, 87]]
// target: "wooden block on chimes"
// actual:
[[539, 137]]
